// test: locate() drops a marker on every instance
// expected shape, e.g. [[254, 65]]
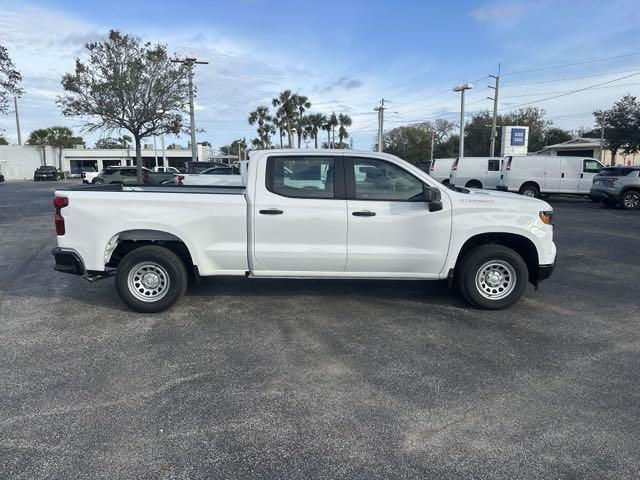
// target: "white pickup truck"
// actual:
[[306, 214]]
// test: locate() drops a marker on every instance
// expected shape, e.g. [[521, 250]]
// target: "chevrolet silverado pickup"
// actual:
[[306, 214]]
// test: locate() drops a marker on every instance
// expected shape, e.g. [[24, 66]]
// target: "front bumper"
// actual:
[[68, 261], [545, 271]]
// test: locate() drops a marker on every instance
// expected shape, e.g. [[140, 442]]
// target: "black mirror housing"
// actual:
[[433, 198]]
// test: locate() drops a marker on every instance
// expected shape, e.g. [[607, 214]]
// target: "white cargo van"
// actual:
[[475, 172], [440, 169], [532, 175]]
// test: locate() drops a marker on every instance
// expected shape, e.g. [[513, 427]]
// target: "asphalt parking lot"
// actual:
[[321, 379]]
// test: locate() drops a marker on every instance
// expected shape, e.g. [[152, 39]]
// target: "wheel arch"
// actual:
[[473, 181], [529, 183], [519, 243], [126, 241]]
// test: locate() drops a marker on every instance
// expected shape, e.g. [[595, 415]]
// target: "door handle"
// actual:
[[562, 176], [365, 213], [582, 175], [271, 211]]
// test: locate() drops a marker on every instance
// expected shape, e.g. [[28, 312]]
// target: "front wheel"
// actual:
[[492, 277], [150, 279]]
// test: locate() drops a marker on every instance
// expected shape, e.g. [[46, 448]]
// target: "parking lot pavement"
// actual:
[[321, 379]]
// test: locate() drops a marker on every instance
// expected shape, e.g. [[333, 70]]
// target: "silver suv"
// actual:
[[617, 185]]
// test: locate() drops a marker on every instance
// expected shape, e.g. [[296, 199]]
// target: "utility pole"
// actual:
[[190, 62], [15, 103], [461, 89], [380, 109], [492, 150], [603, 121]]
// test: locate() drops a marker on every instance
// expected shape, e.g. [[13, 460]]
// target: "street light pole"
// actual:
[[461, 89], [492, 150], [190, 62], [380, 109]]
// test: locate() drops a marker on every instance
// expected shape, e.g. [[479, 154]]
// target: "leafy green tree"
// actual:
[[129, 85], [261, 118], [621, 126], [113, 143], [413, 142], [10, 79], [315, 123], [554, 135], [344, 122]]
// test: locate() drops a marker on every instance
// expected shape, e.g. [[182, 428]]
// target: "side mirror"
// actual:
[[433, 198]]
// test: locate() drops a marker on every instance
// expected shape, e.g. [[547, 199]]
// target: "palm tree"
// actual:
[[315, 123], [281, 124], [300, 126], [62, 137], [261, 117], [344, 121], [40, 137], [287, 107], [329, 126]]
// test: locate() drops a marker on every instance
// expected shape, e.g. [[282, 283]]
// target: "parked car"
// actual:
[[89, 177], [440, 169], [617, 185], [475, 172], [46, 172], [532, 175], [129, 176], [307, 214], [194, 168], [222, 175], [173, 170]]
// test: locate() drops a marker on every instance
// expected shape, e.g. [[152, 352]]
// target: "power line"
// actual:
[[593, 60], [570, 78], [564, 91]]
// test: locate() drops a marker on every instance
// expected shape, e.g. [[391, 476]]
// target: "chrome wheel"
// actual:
[[148, 281], [495, 279], [631, 200]]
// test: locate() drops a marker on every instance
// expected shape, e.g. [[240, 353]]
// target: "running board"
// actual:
[[95, 276]]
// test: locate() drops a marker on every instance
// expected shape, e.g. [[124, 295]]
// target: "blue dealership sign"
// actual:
[[517, 137]]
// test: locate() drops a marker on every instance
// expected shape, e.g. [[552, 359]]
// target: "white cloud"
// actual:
[[493, 12]]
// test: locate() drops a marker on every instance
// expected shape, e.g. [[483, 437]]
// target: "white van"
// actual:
[[532, 175], [440, 169], [475, 172]]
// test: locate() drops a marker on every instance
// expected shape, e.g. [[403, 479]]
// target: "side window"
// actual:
[[591, 166], [494, 165], [128, 172], [379, 180], [301, 177]]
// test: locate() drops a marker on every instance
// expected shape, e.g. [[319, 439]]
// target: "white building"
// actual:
[[589, 147], [18, 162]]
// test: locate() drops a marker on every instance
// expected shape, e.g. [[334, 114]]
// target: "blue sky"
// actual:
[[343, 55]]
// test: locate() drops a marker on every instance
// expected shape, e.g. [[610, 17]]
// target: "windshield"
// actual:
[[617, 171]]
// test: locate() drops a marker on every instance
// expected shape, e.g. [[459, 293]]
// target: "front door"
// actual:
[[391, 230], [300, 217], [590, 168]]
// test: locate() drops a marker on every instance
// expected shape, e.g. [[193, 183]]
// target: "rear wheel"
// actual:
[[473, 184], [530, 190], [630, 200], [150, 279], [492, 277]]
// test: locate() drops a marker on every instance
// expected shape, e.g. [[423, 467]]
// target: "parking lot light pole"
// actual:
[[190, 62], [461, 89]]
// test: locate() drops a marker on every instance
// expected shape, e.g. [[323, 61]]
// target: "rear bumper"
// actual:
[[68, 261], [604, 194]]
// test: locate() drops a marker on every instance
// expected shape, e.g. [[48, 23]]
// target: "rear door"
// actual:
[[391, 231], [552, 174], [590, 169], [571, 168], [300, 216], [493, 173]]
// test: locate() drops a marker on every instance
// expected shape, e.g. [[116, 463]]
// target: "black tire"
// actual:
[[509, 272], [473, 184], [445, 181], [530, 190], [630, 200], [162, 265], [97, 180]]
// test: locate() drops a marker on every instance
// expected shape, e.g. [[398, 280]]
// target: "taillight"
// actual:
[[455, 165], [180, 179], [509, 163], [59, 203]]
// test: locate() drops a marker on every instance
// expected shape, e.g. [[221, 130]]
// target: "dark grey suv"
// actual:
[[617, 185]]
